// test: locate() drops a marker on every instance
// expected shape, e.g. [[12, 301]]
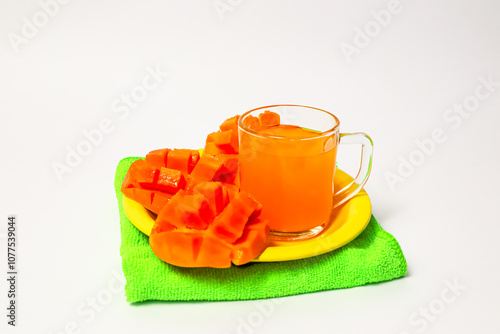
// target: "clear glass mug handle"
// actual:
[[348, 192]]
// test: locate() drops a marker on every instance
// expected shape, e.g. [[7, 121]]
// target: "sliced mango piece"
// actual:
[[179, 249], [252, 243], [183, 160], [212, 149], [157, 158], [170, 180], [160, 199], [143, 174], [206, 168], [214, 253], [230, 123], [252, 122], [229, 225], [269, 118], [214, 194]]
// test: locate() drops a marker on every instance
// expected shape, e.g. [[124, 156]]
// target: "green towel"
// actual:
[[374, 256]]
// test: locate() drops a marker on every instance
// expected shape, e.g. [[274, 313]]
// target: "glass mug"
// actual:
[[289, 168]]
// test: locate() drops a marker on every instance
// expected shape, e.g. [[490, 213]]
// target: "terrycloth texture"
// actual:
[[374, 256]]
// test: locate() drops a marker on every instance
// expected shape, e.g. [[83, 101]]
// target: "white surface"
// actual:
[[397, 89]]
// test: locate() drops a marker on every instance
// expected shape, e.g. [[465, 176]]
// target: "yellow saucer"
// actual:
[[346, 223]]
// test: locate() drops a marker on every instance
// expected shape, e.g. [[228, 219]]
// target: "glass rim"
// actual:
[[257, 133]]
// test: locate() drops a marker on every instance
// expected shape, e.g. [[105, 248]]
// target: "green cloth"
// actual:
[[374, 256]]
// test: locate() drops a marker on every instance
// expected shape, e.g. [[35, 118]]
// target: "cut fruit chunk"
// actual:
[[212, 149], [142, 196], [183, 160], [211, 137], [152, 200], [224, 141], [170, 180], [206, 168], [229, 170], [191, 249], [230, 191], [128, 182], [179, 249], [214, 193], [230, 223], [157, 158], [252, 122], [252, 243], [169, 214], [226, 178], [195, 212], [186, 211], [160, 199], [230, 163], [230, 123], [143, 175], [214, 253], [269, 118]]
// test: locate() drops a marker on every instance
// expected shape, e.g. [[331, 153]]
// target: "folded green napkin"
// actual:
[[374, 256]]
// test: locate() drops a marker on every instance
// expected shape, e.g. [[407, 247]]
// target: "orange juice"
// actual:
[[289, 169]]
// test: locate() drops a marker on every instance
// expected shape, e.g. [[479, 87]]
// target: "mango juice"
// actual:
[[289, 170]]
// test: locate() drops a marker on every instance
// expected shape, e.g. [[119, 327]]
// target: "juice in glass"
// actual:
[[287, 162], [289, 169]]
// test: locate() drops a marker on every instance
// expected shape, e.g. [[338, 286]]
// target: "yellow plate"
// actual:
[[346, 223]]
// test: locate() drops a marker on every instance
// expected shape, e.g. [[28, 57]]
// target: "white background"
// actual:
[[65, 78]]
